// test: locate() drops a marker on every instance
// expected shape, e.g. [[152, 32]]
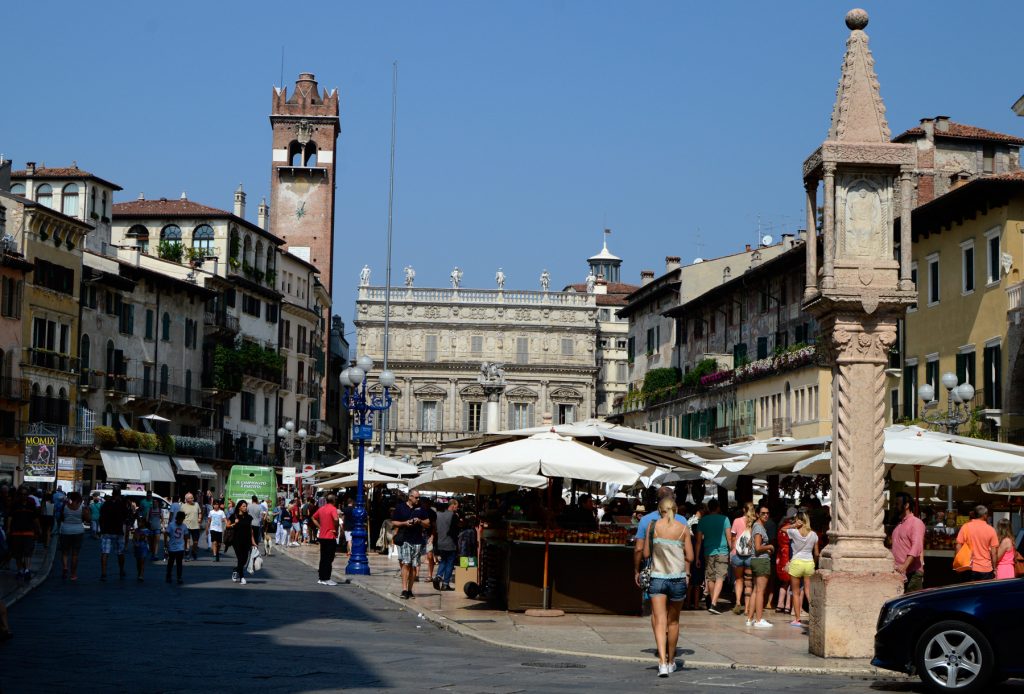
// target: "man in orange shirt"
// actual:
[[981, 538]]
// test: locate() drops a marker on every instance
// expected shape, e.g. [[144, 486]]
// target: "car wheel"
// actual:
[[954, 656]]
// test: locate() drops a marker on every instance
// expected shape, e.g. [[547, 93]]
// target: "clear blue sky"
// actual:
[[524, 127]]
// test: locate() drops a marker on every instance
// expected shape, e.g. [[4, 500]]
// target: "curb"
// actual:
[[40, 576], [451, 626]]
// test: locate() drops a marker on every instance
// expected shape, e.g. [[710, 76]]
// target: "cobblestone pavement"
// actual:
[[283, 632]]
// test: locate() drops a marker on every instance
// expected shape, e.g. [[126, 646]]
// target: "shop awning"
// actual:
[[159, 467], [121, 465], [206, 471], [187, 466]]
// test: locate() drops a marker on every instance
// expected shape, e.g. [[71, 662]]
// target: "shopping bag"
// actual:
[[255, 561], [962, 560]]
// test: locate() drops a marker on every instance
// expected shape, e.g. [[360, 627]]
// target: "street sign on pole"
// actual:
[[362, 432], [288, 475]]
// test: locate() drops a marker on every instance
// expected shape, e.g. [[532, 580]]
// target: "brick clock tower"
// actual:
[[305, 135]]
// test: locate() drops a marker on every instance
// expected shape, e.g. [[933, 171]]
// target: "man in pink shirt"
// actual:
[[981, 538], [326, 521], [908, 545]]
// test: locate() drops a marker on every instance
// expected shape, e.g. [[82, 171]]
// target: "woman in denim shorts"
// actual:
[[670, 551]]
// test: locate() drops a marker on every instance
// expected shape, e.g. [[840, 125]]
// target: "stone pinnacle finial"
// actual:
[[856, 19]]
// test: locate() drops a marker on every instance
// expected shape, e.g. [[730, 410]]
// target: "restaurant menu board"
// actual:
[[40, 458]]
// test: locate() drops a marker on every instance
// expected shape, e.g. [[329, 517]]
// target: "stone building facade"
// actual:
[[546, 342]]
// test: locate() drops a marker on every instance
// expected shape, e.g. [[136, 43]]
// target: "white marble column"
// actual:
[[811, 188], [828, 224]]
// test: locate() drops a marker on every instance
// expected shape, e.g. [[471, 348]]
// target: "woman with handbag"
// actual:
[[243, 540], [1005, 552], [670, 551]]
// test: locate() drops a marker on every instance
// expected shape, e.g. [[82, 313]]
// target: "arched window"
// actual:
[[103, 209], [258, 258], [295, 153], [166, 332], [233, 243], [171, 232], [18, 189], [44, 195], [271, 259], [141, 236], [247, 251], [69, 200], [202, 239], [83, 352], [310, 155], [165, 378]]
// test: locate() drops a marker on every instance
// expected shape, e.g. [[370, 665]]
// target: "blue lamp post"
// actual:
[[354, 381]]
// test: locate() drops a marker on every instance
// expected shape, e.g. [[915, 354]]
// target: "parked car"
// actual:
[[961, 638]]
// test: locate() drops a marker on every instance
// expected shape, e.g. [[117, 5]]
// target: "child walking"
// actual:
[[140, 547], [176, 534]]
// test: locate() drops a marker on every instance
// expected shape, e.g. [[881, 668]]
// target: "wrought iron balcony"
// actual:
[[47, 359]]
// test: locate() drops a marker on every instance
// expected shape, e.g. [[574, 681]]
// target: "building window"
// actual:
[[917, 287], [931, 373], [521, 415], [522, 350], [165, 379], [10, 301], [248, 407], [18, 189], [476, 344], [567, 347], [474, 416], [566, 413], [988, 159], [126, 321], [739, 354], [933, 279], [428, 415], [69, 200], [171, 232], [992, 243], [188, 387], [251, 305], [149, 324], [54, 277], [910, 390], [202, 240], [621, 372], [967, 267], [431, 348], [965, 366], [992, 379], [631, 348], [266, 411], [166, 333], [652, 343], [762, 348], [44, 195]]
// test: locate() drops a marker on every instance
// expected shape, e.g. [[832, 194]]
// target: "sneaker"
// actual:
[[405, 595], [329, 582], [447, 586], [242, 581], [672, 666], [320, 583], [234, 576], [663, 670], [763, 624], [749, 622], [437, 583], [714, 610], [796, 623]]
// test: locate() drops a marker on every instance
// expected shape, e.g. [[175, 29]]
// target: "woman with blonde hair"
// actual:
[[804, 548], [670, 551], [760, 569], [1005, 551], [741, 551]]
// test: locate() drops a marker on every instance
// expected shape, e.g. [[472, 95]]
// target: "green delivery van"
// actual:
[[246, 480]]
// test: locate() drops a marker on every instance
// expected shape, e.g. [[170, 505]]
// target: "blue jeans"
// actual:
[[447, 565]]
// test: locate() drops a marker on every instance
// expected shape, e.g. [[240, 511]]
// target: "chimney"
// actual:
[[747, 248], [142, 196], [262, 214], [671, 263], [240, 202], [802, 234], [928, 125], [787, 241], [942, 124], [646, 277], [30, 168], [5, 175], [183, 196]]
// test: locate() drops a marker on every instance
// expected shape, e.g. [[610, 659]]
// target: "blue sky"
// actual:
[[524, 127]]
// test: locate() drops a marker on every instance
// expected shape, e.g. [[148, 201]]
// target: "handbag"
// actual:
[[255, 561], [645, 572], [962, 560]]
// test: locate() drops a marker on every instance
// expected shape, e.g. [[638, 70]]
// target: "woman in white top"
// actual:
[[670, 551], [804, 545]]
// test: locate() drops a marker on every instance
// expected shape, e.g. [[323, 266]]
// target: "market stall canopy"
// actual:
[[1011, 486], [440, 480], [159, 467], [187, 466], [547, 454], [121, 466], [595, 429], [764, 458], [369, 478], [371, 461]]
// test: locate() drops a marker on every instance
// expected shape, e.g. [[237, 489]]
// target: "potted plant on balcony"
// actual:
[[170, 250]]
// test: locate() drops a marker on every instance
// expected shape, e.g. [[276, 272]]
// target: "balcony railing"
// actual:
[[226, 321], [156, 391], [1014, 296], [47, 359], [479, 296], [312, 389], [287, 384], [287, 341]]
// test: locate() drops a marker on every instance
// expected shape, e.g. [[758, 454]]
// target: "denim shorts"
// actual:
[[740, 562], [673, 588]]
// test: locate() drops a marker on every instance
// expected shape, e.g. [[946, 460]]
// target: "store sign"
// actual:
[[287, 475], [40, 458]]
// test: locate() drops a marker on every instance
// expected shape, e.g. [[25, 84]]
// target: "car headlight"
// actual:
[[895, 613]]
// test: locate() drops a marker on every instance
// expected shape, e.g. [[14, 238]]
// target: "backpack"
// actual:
[[286, 519], [745, 544]]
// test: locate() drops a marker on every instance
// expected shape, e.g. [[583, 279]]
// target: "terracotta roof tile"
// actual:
[[44, 172], [961, 131], [616, 296], [167, 208]]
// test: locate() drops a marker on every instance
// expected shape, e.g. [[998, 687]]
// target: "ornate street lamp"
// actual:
[[958, 398], [354, 381], [288, 437]]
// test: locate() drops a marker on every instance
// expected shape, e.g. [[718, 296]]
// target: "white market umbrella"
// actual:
[[369, 478], [438, 480], [1012, 486], [547, 454], [371, 462], [763, 457]]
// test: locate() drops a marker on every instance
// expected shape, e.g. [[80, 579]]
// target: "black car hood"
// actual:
[[963, 590]]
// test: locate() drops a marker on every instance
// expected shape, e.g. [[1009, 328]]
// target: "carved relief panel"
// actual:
[[864, 218]]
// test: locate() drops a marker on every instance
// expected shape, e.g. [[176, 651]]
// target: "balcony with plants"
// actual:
[[230, 364]]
